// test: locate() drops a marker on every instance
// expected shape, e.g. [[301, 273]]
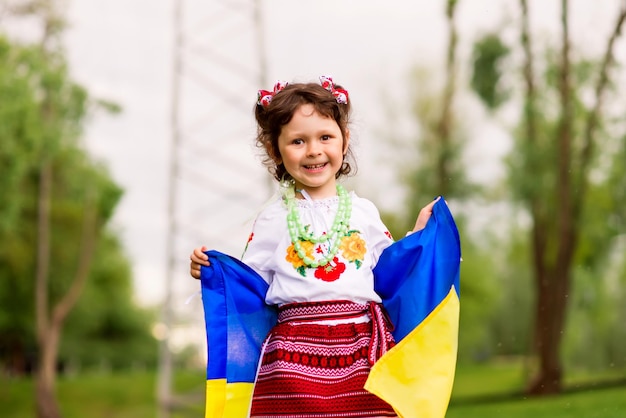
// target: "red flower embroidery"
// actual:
[[248, 242], [388, 234], [331, 271]]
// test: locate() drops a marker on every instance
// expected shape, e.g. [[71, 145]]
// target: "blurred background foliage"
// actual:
[[106, 328]]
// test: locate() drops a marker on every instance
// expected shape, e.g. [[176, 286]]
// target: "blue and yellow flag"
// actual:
[[418, 279], [237, 322]]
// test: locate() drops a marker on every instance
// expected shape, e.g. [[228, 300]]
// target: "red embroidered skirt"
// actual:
[[315, 370]]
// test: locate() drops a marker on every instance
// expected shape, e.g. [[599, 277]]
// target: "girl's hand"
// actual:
[[424, 215], [198, 258]]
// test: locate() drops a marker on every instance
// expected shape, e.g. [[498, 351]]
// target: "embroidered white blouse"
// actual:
[[348, 277]]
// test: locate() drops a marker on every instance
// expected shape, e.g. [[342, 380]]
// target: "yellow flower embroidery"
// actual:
[[294, 258], [353, 248]]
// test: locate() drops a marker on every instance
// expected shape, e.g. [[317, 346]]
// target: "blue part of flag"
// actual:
[[236, 317], [416, 273]]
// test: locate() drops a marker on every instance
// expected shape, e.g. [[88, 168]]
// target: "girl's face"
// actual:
[[312, 148]]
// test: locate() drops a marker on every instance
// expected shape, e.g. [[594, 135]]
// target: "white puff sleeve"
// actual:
[[269, 228]]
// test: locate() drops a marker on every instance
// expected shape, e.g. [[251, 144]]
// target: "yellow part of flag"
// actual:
[[416, 376]]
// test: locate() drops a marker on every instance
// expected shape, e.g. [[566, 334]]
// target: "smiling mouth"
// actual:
[[315, 166]]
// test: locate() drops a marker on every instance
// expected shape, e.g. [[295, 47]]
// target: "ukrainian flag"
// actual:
[[418, 279], [237, 322]]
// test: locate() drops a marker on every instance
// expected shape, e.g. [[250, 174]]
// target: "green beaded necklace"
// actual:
[[298, 232]]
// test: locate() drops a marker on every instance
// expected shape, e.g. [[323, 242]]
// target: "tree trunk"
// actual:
[[45, 398], [50, 325], [47, 406], [550, 311], [554, 282]]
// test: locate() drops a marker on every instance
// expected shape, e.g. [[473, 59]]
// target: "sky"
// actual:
[[123, 50]]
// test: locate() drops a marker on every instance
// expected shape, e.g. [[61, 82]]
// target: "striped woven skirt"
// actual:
[[314, 370]]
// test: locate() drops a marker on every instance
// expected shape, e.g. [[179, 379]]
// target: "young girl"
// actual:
[[316, 247]]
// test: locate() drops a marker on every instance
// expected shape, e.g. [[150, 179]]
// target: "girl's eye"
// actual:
[[297, 141], [325, 137]]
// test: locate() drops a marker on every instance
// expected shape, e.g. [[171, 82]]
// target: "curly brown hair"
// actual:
[[279, 112]]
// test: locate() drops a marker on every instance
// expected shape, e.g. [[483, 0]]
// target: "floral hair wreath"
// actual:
[[264, 97]]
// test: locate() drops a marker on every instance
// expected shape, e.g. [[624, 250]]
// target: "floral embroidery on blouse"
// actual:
[[331, 271], [352, 249], [248, 242], [294, 258]]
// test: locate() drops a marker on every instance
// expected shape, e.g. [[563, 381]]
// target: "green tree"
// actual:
[[557, 151], [57, 204], [18, 116]]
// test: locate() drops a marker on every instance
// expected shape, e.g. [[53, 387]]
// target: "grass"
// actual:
[[599, 403], [495, 390], [485, 391], [114, 395]]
